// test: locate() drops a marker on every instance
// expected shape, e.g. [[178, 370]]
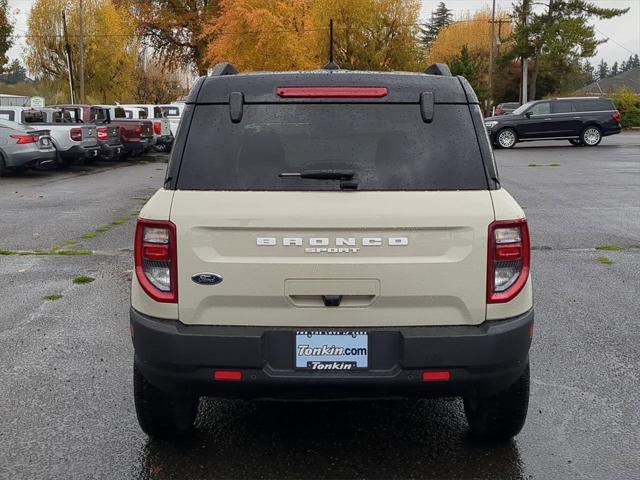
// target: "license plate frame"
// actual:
[[331, 350]]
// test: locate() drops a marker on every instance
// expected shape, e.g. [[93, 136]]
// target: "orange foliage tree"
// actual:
[[474, 33], [262, 35], [293, 34]]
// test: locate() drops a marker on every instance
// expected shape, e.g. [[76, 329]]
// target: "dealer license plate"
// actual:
[[331, 350]]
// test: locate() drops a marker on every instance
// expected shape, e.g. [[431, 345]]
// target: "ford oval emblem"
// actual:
[[206, 278]]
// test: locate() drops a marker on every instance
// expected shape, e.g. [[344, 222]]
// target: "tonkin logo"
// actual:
[[336, 245]]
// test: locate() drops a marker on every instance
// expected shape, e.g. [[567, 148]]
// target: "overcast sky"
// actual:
[[623, 32]]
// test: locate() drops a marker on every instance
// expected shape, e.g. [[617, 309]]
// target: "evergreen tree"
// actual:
[[440, 18], [589, 72], [557, 35], [636, 61], [471, 67], [614, 69], [624, 66], [603, 70]]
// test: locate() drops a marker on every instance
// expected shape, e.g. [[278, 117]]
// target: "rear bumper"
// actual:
[[110, 151], [481, 360], [164, 139], [31, 157], [81, 152]]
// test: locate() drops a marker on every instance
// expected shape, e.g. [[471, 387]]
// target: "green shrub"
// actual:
[[628, 103]]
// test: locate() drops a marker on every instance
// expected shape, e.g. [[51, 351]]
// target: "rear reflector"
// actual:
[[331, 92], [228, 375], [441, 376]]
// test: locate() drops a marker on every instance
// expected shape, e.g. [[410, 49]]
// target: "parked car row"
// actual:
[[62, 134]]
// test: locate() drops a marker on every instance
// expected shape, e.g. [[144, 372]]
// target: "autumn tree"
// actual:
[[558, 35], [6, 29], [156, 84], [370, 34], [174, 29], [294, 34], [262, 35], [473, 32], [440, 18], [109, 55]]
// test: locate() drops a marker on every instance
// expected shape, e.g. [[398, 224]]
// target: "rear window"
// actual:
[[99, 114], [119, 112], [387, 146], [595, 105], [33, 116], [171, 111]]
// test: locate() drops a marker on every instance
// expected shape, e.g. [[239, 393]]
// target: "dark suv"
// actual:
[[581, 120]]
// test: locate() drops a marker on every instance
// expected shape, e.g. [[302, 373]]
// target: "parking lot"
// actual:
[[66, 403]]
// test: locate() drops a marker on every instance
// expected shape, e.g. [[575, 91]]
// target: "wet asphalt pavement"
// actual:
[[66, 407]]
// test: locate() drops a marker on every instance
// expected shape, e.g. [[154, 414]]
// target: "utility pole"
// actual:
[[67, 48], [525, 61], [81, 52], [491, 42]]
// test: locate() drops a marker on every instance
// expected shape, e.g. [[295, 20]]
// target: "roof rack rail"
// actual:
[[438, 69], [224, 68]]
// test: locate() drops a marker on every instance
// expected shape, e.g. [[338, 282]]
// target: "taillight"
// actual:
[[22, 139], [331, 92], [508, 259], [137, 130], [76, 134], [157, 128], [616, 116], [103, 134], [156, 260]]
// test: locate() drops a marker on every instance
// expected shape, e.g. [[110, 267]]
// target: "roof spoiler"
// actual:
[[438, 69], [224, 68]]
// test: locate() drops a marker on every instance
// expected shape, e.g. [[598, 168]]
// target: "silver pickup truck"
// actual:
[[71, 140]]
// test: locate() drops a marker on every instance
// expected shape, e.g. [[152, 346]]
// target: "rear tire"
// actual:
[[576, 142], [502, 415], [591, 136], [161, 414], [506, 138]]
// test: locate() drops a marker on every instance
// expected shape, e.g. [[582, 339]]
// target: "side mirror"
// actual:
[[528, 114]]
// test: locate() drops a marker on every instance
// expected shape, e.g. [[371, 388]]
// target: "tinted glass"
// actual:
[[388, 146], [595, 105], [157, 112], [120, 113], [562, 106], [542, 108]]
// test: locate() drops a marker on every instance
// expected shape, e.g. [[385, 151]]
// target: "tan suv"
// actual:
[[332, 234]]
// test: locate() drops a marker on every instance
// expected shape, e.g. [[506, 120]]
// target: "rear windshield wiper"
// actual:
[[344, 176], [321, 174]]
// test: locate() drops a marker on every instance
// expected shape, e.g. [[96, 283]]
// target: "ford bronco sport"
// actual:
[[332, 234]]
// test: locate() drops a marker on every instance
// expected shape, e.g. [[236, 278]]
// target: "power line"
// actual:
[[613, 40]]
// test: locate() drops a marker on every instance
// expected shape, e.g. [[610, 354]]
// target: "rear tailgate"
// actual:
[[407, 247], [396, 258], [113, 135], [89, 136]]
